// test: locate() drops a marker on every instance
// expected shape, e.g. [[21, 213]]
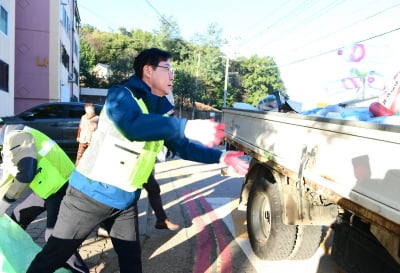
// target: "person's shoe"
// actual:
[[167, 224], [102, 232]]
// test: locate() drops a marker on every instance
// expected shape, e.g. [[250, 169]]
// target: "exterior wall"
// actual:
[[76, 63], [42, 27], [67, 85], [31, 53], [64, 86], [54, 52], [7, 47]]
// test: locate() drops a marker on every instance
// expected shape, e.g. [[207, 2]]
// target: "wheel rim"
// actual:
[[262, 218]]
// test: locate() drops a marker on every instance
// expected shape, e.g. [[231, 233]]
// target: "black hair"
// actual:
[[152, 56]]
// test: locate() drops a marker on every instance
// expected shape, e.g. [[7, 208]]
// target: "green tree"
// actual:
[[140, 39], [199, 64], [212, 71], [87, 62], [260, 77], [122, 66], [206, 47]]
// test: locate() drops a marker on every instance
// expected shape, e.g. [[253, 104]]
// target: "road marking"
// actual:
[[208, 220], [202, 261], [223, 245], [226, 209]]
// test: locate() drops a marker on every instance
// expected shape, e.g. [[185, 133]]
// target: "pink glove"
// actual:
[[208, 132], [219, 134], [232, 160]]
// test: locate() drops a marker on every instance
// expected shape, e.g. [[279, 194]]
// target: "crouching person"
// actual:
[[31, 159]]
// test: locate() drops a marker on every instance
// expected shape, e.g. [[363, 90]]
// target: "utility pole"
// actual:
[[226, 79], [230, 54], [196, 84]]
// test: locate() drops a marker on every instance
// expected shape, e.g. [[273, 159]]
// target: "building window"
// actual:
[[3, 20], [4, 71], [76, 48], [64, 57], [65, 20], [76, 76]]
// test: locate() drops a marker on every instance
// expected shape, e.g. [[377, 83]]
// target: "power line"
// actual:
[[258, 23], [97, 15], [302, 23], [352, 24], [290, 14], [292, 21], [336, 49], [159, 14]]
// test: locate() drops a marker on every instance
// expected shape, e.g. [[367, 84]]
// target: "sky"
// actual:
[[303, 36]]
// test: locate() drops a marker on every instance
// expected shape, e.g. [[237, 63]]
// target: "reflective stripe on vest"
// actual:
[[113, 159], [54, 166], [46, 147]]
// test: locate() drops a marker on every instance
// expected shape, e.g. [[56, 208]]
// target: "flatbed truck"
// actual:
[[308, 173]]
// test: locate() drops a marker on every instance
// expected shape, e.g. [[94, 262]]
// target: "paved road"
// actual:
[[213, 236]]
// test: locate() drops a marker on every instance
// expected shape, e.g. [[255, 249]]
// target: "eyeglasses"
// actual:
[[170, 69]]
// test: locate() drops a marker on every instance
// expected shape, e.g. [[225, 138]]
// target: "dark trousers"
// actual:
[[32, 206], [153, 190], [79, 215]]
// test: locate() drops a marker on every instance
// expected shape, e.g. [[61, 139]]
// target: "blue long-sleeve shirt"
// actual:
[[125, 113]]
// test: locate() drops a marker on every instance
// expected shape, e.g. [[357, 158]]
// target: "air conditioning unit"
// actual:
[[71, 77]]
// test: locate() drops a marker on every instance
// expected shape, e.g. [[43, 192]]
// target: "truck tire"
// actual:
[[308, 239], [356, 249], [269, 237]]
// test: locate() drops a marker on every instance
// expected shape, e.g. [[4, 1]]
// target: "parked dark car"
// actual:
[[58, 120]]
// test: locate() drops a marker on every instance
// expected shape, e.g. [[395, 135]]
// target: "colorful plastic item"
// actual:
[[17, 249], [352, 53], [378, 110]]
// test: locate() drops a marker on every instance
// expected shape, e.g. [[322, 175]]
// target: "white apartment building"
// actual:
[[7, 59]]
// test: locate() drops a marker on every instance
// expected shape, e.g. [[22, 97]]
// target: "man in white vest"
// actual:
[[133, 127]]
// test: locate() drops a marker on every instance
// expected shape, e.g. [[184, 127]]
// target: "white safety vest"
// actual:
[[113, 159]]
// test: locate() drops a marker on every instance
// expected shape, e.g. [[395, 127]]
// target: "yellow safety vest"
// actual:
[[113, 159], [54, 166]]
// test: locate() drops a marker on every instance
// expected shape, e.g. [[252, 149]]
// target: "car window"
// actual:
[[49, 111], [98, 108], [76, 111]]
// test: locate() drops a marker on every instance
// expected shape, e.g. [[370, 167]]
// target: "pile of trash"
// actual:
[[380, 110], [272, 103], [353, 113], [383, 110]]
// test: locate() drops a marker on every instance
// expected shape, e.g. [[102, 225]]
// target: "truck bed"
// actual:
[[344, 149]]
